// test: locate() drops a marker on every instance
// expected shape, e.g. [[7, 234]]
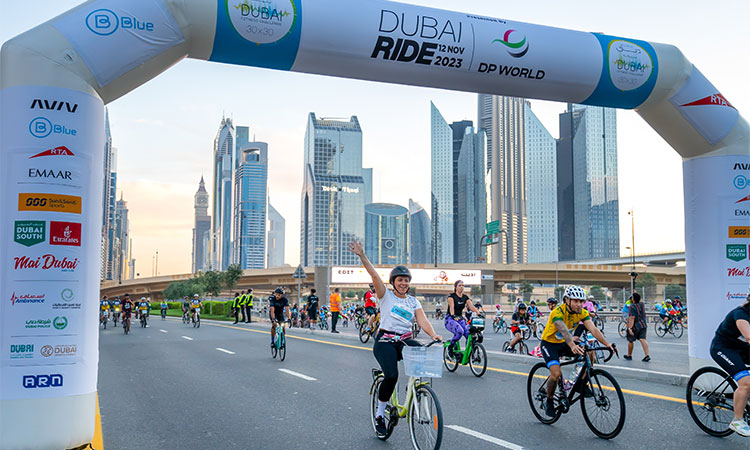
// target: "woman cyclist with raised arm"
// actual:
[[398, 310]]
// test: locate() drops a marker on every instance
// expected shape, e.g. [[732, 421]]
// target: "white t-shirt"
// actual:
[[397, 314]]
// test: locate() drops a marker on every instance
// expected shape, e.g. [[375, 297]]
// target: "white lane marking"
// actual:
[[485, 437], [666, 343], [164, 331], [224, 350], [188, 338], [296, 374], [633, 369]]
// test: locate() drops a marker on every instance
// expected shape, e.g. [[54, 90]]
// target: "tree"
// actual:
[[672, 290], [350, 294], [526, 289], [598, 293], [646, 283], [476, 291], [559, 291], [212, 281], [231, 276]]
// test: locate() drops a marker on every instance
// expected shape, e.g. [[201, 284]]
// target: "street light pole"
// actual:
[[632, 252]]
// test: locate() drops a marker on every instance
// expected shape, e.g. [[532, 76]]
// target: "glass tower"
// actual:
[[250, 205], [441, 181], [201, 229], [275, 243], [221, 227], [471, 201], [420, 242], [386, 233]]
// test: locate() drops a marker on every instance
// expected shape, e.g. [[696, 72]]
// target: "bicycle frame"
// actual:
[[576, 391], [466, 352], [402, 410], [280, 329]]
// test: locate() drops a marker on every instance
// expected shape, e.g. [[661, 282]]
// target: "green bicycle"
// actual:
[[420, 408], [279, 345], [474, 354]]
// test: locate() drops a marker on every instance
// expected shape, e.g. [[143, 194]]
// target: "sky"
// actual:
[[164, 130]]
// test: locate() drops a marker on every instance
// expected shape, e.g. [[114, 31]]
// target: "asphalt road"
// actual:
[[171, 386]]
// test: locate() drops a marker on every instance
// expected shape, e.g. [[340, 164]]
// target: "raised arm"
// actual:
[[358, 250]]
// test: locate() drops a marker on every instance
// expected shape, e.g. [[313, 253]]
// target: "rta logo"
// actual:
[[42, 381], [57, 151]]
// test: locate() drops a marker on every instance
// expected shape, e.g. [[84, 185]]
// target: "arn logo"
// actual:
[[42, 381], [53, 105]]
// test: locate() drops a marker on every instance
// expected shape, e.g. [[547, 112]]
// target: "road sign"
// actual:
[[493, 227], [299, 273]]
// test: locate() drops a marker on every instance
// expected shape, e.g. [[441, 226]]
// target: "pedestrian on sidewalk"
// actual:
[[335, 304], [236, 306], [249, 306], [637, 327]]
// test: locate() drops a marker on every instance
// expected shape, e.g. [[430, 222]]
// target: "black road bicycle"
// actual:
[[710, 400]]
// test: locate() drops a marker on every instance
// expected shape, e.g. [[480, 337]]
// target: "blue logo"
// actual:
[[741, 181], [42, 381], [41, 127], [105, 22]]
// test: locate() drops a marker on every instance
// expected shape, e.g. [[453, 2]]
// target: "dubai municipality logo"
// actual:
[[516, 48]]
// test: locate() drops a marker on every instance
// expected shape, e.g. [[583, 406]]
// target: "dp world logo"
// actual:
[[102, 22], [517, 46]]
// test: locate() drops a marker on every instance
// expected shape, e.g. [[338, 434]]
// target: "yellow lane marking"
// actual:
[[98, 441], [511, 372]]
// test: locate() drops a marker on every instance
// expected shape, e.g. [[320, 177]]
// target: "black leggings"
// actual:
[[388, 355]]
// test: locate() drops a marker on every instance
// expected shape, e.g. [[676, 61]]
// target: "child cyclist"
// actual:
[[398, 310]]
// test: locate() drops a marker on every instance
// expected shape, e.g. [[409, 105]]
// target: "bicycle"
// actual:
[[144, 319], [622, 328], [163, 314], [126, 324], [365, 335], [499, 324], [439, 314], [323, 324], [115, 316], [103, 319], [474, 354], [710, 400], [421, 407], [673, 327], [279, 344], [593, 387], [197, 318], [185, 316], [522, 347]]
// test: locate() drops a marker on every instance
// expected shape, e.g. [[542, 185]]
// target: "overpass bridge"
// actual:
[[494, 278]]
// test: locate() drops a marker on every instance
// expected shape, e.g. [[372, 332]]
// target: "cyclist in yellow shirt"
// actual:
[[195, 303]]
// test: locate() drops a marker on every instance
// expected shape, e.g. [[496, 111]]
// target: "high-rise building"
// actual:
[[367, 177], [420, 235], [441, 182], [503, 120], [250, 205], [459, 129], [471, 198], [221, 226], [201, 230], [108, 201], [122, 256], [541, 190], [333, 193], [588, 205], [275, 242], [386, 233]]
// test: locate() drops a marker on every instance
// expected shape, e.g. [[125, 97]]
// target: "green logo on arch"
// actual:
[[736, 252], [29, 232]]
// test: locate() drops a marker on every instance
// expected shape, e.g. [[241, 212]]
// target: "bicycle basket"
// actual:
[[424, 362]]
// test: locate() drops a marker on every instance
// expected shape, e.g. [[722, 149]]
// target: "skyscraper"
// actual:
[[122, 242], [471, 201], [108, 200], [250, 205], [333, 192], [502, 119], [275, 242], [386, 233], [201, 230], [541, 190], [441, 181], [221, 227], [588, 205], [420, 235], [459, 129]]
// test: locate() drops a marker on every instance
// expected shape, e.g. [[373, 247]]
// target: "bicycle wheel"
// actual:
[[198, 320], [425, 419], [282, 347], [374, 409], [660, 329], [604, 413], [622, 329], [449, 360], [677, 330], [274, 350], [504, 327], [478, 360], [523, 349], [710, 400], [364, 336], [526, 333], [536, 391], [495, 326], [599, 323]]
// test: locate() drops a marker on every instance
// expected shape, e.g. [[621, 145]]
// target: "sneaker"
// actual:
[[646, 359], [335, 331], [627, 357], [549, 407], [740, 427], [380, 427]]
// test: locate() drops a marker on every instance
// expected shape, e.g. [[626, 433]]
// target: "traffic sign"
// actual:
[[493, 227], [299, 273]]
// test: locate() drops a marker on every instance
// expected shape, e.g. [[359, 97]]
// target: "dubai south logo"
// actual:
[[516, 48], [57, 151], [29, 232]]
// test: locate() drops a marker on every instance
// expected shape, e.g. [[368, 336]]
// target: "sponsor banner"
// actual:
[[701, 104], [134, 31], [358, 275], [49, 240], [717, 266], [257, 32]]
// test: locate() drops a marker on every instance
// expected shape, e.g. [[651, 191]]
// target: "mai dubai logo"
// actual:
[[515, 49]]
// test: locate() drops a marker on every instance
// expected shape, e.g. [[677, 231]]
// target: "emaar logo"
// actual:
[[105, 22]]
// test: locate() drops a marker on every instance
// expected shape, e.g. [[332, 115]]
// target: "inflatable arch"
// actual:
[[56, 78]]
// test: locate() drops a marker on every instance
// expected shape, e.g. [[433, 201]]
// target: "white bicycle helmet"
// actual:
[[575, 293]]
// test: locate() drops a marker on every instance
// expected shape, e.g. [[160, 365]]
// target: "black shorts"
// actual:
[[312, 313], [732, 360], [551, 352], [636, 335], [370, 310]]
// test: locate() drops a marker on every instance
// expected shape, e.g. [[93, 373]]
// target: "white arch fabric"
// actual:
[[56, 78]]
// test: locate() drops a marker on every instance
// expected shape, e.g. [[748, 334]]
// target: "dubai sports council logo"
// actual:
[[515, 49]]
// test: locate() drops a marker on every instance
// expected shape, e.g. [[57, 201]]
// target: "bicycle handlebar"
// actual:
[[612, 351]]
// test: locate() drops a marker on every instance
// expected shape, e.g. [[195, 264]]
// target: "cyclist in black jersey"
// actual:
[[731, 351], [278, 309]]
